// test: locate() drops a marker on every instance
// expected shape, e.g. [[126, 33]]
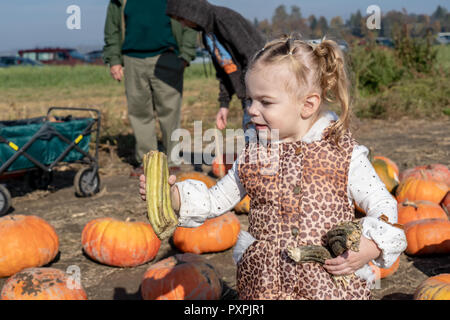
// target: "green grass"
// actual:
[[443, 58], [30, 91], [73, 77]]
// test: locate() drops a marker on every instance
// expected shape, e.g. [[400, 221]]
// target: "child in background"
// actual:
[[304, 188], [231, 41]]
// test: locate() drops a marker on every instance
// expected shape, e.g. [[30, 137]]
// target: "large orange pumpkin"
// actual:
[[243, 206], [196, 176], [423, 188], [387, 171], [181, 277], [216, 234], [434, 288], [26, 241], [119, 243], [436, 172], [428, 236], [382, 273], [42, 284], [422, 209]]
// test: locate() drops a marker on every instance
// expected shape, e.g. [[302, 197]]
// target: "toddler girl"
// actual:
[[301, 183]]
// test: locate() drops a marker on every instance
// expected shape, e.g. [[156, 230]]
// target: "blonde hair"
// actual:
[[320, 66]]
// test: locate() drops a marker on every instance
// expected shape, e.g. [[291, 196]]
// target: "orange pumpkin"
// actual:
[[216, 234], [414, 189], [181, 277], [26, 241], [436, 172], [196, 176], [393, 168], [434, 288], [428, 236], [422, 209], [446, 203], [382, 273], [387, 171], [221, 165], [243, 206], [218, 168], [42, 284], [117, 243]]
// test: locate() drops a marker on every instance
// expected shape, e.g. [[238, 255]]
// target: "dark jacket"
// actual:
[[186, 38], [239, 37]]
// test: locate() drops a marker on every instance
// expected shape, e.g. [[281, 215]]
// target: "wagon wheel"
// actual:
[[39, 179], [87, 182], [5, 200]]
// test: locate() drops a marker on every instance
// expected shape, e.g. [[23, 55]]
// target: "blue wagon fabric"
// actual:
[[48, 147]]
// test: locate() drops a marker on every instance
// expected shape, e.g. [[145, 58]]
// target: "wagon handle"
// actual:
[[74, 109]]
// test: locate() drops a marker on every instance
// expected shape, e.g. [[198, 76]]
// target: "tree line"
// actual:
[[418, 25]]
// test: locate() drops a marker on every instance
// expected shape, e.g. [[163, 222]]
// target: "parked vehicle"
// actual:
[[201, 56], [95, 57], [386, 42], [10, 61], [55, 56], [443, 37], [341, 43]]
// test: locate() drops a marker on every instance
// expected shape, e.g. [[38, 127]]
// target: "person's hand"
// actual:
[[221, 118], [174, 193], [185, 63], [116, 72], [350, 261]]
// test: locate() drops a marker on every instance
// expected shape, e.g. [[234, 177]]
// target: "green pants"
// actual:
[[153, 87]]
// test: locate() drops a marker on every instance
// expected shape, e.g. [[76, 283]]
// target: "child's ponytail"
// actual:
[[334, 82]]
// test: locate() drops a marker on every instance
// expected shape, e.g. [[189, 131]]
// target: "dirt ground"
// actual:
[[407, 142]]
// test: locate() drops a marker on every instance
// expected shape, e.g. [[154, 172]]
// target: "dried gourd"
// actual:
[[344, 236]]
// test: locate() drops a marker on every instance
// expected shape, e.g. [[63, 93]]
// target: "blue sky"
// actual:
[[31, 23]]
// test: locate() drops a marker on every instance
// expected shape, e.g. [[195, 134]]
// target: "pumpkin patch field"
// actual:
[[101, 246], [105, 240]]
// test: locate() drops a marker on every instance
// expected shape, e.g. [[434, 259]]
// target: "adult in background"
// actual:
[[150, 50], [231, 40]]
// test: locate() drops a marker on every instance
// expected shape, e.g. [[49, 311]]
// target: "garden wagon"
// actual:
[[34, 147]]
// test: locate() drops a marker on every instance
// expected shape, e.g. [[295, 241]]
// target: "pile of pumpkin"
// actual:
[[423, 200], [30, 242]]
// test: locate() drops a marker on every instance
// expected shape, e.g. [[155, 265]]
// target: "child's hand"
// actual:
[[174, 194], [350, 261]]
